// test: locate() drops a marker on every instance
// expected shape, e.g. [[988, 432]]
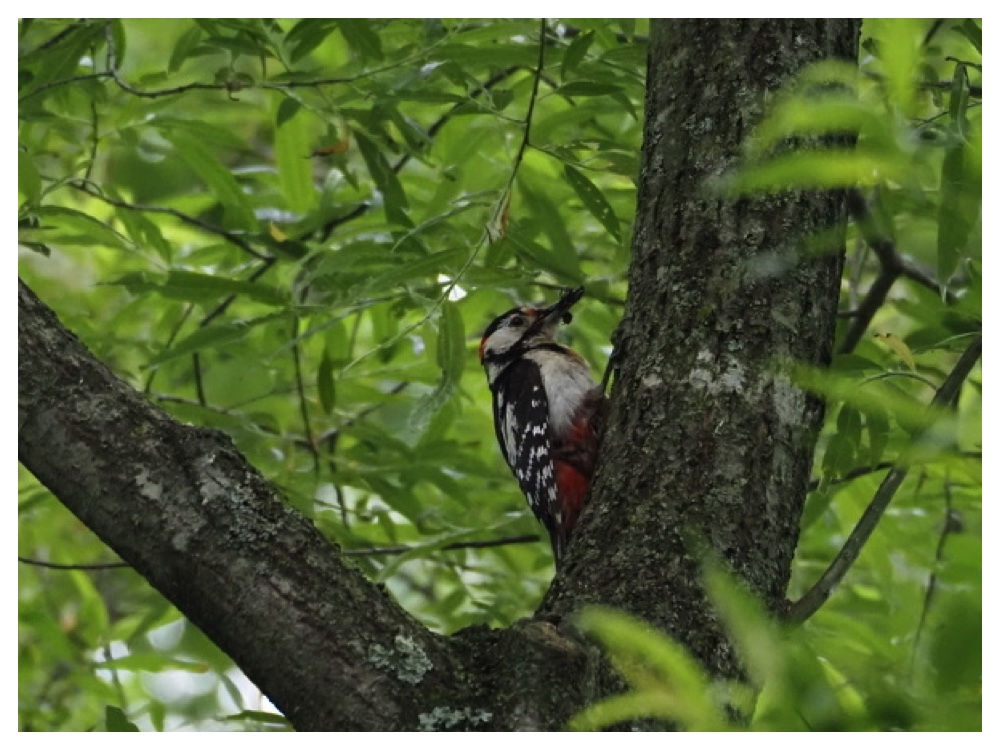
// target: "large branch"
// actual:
[[187, 511]]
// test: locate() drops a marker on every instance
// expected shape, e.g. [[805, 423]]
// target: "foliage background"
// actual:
[[294, 232]]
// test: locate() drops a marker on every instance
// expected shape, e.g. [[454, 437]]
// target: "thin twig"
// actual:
[[75, 566], [63, 82], [893, 265], [891, 268], [170, 340], [300, 389], [57, 37], [199, 382], [863, 471], [224, 305], [368, 552], [815, 597], [952, 523], [230, 237], [531, 102], [498, 213], [403, 549], [93, 146]]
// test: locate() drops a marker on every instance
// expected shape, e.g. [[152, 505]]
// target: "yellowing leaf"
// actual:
[[275, 231], [897, 345]]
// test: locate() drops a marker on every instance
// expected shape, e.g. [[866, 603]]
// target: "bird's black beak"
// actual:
[[561, 308]]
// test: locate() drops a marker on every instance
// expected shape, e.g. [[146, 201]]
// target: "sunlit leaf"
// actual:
[[672, 682], [291, 145], [899, 346], [451, 355]]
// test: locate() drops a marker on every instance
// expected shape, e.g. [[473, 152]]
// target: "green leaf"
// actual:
[[307, 35], [361, 38], [144, 232], [675, 683], [450, 357], [973, 32], [152, 662], [263, 717], [287, 109], [849, 424], [878, 436], [417, 270], [576, 51], [325, 383], [185, 45], [116, 721], [213, 336], [203, 161], [564, 266], [899, 49], [200, 287], [74, 227], [836, 114], [960, 202], [388, 183], [593, 199], [291, 148], [588, 88], [451, 341], [838, 457], [756, 637], [818, 168], [956, 649], [29, 184]]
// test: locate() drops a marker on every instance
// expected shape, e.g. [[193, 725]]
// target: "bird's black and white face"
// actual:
[[521, 329]]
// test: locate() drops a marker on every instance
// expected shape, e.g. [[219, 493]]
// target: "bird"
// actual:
[[548, 413]]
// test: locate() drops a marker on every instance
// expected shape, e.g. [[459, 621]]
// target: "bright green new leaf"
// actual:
[[450, 355], [657, 667], [291, 149]]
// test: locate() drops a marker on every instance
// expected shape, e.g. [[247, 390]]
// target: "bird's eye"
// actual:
[[517, 321]]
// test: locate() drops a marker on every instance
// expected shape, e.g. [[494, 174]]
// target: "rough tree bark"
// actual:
[[706, 435], [708, 440]]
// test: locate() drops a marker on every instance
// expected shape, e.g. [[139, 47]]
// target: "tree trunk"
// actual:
[[708, 440]]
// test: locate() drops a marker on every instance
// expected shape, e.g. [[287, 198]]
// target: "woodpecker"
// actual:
[[547, 412]]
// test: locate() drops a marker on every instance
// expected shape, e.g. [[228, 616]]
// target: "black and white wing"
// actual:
[[521, 419]]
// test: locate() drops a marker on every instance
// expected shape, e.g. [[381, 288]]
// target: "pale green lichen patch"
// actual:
[[406, 659], [444, 719]]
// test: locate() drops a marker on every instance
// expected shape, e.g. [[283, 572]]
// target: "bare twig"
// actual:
[[893, 265], [891, 268], [403, 549], [228, 236], [75, 566], [63, 82], [199, 382], [300, 389], [368, 552], [813, 599], [952, 523]]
